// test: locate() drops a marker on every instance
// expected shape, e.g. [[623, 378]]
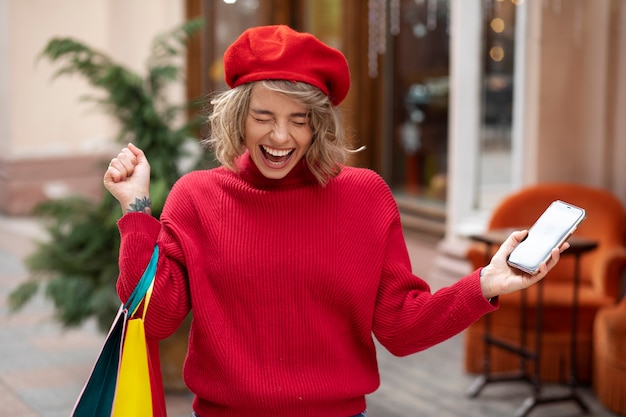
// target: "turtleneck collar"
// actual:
[[300, 175]]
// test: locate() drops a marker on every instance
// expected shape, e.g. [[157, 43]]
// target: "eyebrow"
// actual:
[[269, 113]]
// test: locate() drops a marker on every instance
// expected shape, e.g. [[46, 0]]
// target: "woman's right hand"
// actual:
[[128, 179]]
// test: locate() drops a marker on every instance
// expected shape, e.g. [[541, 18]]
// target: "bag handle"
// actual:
[[145, 283], [146, 300]]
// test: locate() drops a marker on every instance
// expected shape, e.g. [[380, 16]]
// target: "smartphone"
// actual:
[[550, 231]]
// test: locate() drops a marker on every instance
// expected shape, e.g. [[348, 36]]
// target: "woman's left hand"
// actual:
[[499, 278]]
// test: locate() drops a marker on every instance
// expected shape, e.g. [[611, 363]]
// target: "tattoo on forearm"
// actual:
[[142, 205]]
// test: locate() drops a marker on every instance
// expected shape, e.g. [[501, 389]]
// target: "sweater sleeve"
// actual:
[[170, 303], [409, 318]]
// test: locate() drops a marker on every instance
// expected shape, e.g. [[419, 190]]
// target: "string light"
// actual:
[[497, 25], [394, 17]]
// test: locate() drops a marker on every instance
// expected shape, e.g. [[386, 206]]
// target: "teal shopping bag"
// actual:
[[96, 399], [98, 395]]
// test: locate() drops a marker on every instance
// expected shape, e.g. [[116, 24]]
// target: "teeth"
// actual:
[[275, 152]]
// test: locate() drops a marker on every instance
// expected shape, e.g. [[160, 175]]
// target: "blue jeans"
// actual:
[[358, 415]]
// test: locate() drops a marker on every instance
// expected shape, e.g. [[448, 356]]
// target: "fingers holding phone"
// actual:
[[551, 230], [527, 256]]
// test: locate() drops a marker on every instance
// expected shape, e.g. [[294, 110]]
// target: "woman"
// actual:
[[290, 260]]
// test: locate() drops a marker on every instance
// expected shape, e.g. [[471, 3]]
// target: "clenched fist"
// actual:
[[128, 179]]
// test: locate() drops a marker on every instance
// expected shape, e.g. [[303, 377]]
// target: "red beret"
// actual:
[[280, 53]]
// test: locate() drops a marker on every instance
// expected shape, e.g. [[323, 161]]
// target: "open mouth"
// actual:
[[276, 156]]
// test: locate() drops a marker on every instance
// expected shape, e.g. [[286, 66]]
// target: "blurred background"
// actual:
[[458, 102]]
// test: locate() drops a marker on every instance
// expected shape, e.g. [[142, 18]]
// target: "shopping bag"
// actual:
[[109, 378], [133, 394], [96, 398]]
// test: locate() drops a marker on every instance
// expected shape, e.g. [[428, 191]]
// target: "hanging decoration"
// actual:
[[385, 17], [375, 9], [431, 13], [394, 17]]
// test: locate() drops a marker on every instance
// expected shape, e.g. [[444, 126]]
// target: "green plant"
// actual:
[[77, 265]]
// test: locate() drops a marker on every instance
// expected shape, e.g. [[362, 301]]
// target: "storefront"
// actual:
[[398, 107], [457, 102]]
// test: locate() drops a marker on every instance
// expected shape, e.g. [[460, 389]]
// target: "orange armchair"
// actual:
[[609, 352], [600, 275]]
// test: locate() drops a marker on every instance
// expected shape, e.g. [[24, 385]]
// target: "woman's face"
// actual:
[[277, 132]]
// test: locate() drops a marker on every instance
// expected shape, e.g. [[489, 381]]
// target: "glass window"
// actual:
[[486, 72], [420, 69], [323, 19], [229, 18], [494, 151]]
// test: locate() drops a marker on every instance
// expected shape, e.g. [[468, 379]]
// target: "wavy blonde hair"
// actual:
[[229, 110]]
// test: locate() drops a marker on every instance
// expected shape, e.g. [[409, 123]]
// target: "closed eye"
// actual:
[[261, 120]]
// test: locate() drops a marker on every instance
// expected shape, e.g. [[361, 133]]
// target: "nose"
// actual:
[[280, 132]]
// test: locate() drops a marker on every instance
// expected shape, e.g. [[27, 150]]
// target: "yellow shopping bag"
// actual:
[[133, 395]]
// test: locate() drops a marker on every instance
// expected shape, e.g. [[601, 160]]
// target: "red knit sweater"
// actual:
[[288, 281]]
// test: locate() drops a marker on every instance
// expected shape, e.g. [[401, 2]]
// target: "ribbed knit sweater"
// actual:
[[288, 281]]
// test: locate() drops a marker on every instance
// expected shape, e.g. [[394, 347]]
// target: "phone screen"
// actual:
[[552, 228]]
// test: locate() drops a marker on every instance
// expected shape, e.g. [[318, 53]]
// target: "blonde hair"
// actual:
[[328, 151]]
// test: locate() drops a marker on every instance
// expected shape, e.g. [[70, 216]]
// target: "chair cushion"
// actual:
[[610, 334], [556, 307]]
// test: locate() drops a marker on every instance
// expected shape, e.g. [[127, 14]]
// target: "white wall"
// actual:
[[5, 76], [619, 128], [46, 117]]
